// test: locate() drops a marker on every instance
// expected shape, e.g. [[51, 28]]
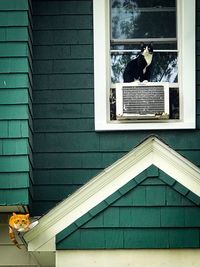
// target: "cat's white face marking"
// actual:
[[148, 56]]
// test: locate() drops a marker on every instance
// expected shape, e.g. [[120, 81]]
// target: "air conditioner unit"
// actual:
[[141, 101]]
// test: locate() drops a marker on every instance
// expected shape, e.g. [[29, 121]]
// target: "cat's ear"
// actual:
[[14, 214], [27, 215]]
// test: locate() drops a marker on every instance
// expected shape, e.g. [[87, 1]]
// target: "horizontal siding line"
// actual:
[[14, 138], [64, 169], [14, 57], [54, 103], [14, 27], [19, 72], [14, 11], [85, 150], [187, 149], [57, 103], [91, 117], [67, 58], [70, 132], [61, 184], [14, 41], [14, 188], [79, 152], [55, 184], [15, 171], [70, 119], [61, 74], [11, 119], [13, 156], [52, 73], [17, 104], [59, 89], [59, 29], [62, 45], [59, 59], [54, 30], [62, 14]]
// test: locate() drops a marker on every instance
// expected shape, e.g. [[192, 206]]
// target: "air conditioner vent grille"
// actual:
[[143, 100]]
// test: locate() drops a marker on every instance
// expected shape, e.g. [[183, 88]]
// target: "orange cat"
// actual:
[[19, 223]]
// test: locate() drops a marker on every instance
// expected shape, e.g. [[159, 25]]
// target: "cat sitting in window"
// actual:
[[140, 67]]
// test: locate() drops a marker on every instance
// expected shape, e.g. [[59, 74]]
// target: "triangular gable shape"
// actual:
[[119, 175], [142, 214]]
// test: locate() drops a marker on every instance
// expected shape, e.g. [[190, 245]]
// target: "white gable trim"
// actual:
[[151, 151]]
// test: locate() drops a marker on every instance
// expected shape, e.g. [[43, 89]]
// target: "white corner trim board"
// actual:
[[152, 151]]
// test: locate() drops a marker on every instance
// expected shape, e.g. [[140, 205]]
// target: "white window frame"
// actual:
[[187, 71]]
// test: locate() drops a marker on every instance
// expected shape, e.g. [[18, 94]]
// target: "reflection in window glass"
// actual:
[[156, 46], [143, 3], [164, 66], [134, 19]]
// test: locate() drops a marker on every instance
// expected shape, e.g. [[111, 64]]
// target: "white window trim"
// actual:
[[187, 83]]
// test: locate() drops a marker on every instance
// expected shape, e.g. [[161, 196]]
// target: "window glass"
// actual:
[[142, 19], [117, 40], [136, 21], [164, 66]]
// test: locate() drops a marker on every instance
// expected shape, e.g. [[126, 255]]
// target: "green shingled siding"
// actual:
[[67, 150], [15, 102], [151, 211]]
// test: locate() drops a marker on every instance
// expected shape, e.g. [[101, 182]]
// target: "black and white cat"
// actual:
[[140, 67]]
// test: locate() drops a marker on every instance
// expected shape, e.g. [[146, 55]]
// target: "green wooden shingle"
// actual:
[[14, 80], [14, 197], [15, 104], [17, 18], [165, 222], [58, 49], [19, 96], [14, 49], [15, 34], [14, 112], [17, 180], [14, 5]]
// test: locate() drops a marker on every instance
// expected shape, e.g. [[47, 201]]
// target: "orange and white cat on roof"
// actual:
[[19, 223]]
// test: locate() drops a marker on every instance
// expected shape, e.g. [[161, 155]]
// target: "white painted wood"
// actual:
[[186, 45], [45, 258], [8, 209], [151, 151], [131, 258]]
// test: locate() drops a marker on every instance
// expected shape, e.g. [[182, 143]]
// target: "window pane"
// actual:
[[164, 66], [167, 46], [118, 64], [174, 103], [144, 3], [129, 21]]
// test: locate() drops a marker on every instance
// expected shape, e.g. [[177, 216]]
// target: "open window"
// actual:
[[119, 28]]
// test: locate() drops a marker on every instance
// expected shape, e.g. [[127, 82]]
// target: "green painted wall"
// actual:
[[67, 150], [15, 102], [151, 211]]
